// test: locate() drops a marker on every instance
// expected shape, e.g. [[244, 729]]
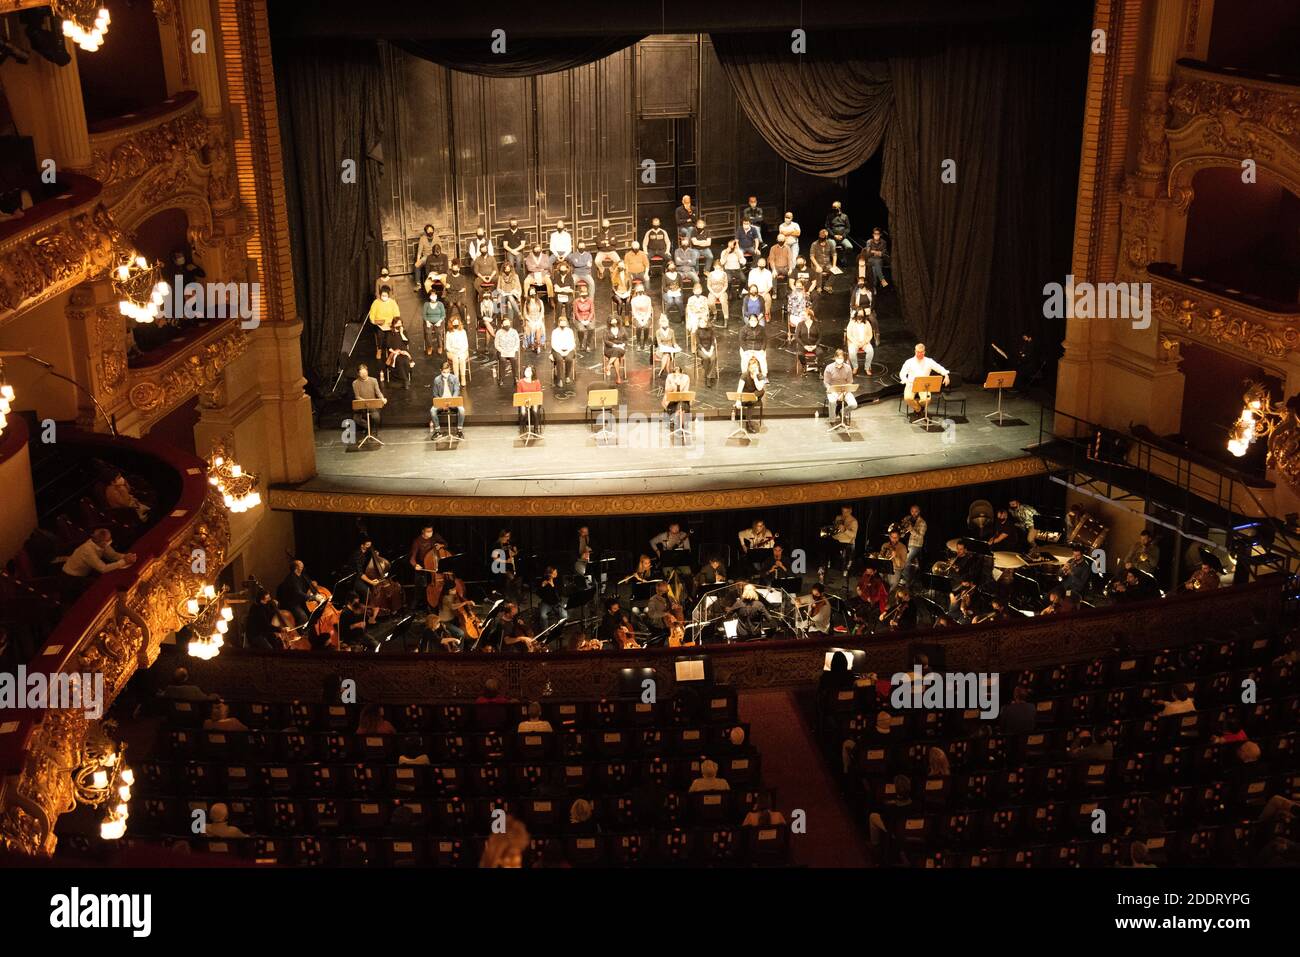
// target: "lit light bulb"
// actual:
[[99, 779]]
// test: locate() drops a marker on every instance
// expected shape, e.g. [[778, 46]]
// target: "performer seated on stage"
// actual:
[[616, 351], [753, 344], [760, 280], [753, 382], [510, 291], [666, 344], [857, 339], [839, 373], [434, 316], [584, 317], [458, 347], [537, 264], [677, 381], [687, 261], [397, 354], [563, 351], [529, 383], [919, 365], [796, 307], [671, 289], [697, 310], [507, 346], [562, 280], [607, 254], [873, 255], [446, 384], [706, 348], [642, 314], [809, 338], [382, 313], [364, 387], [581, 262], [534, 324], [717, 284], [823, 254], [637, 263], [620, 285], [750, 613]]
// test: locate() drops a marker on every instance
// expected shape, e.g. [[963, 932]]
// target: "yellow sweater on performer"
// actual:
[[383, 313]]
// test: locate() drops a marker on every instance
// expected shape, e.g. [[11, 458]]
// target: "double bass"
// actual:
[[327, 623], [386, 594]]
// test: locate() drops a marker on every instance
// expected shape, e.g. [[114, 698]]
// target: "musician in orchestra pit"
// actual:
[[896, 552], [902, 616], [352, 624], [1144, 555], [819, 613], [844, 535], [550, 600], [360, 564], [959, 601], [450, 604], [1078, 572], [916, 527], [515, 633], [659, 605], [1022, 515], [873, 593], [919, 365], [421, 546], [1005, 535], [1204, 578], [672, 539], [966, 564], [758, 535], [1135, 586], [503, 557], [610, 622], [295, 591], [262, 627], [750, 613], [713, 573], [778, 568]]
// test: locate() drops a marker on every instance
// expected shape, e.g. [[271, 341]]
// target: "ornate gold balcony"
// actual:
[[1251, 327]]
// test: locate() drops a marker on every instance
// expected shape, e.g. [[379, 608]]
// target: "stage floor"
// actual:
[[494, 461]]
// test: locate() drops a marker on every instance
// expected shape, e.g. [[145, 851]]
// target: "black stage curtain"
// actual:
[[970, 98], [523, 56], [331, 110]]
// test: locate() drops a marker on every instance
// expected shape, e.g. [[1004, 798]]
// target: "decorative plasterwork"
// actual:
[[1223, 323], [670, 502], [1220, 120], [55, 256], [1284, 451], [153, 391]]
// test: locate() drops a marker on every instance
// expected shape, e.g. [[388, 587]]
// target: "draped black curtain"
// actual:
[[976, 100], [331, 111], [522, 57]]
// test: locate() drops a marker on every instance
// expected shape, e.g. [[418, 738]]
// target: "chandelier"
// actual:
[[208, 617], [6, 398], [1259, 417], [140, 289], [238, 488], [103, 780], [84, 23]]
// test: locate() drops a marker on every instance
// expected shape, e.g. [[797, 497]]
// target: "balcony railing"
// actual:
[[116, 626], [128, 148]]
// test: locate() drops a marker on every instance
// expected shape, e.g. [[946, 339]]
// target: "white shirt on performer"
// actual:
[[562, 340], [561, 243], [762, 278], [914, 367]]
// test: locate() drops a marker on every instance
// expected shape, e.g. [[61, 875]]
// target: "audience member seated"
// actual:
[[708, 779]]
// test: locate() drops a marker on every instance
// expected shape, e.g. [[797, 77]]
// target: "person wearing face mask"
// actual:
[[538, 265], [436, 267], [839, 372], [563, 350], [706, 347], [485, 272], [528, 383], [857, 339], [509, 291], [790, 230], [513, 242], [397, 354], [561, 241], [607, 254], [671, 289], [423, 250], [642, 313], [584, 317], [823, 261], [507, 347], [445, 384], [459, 296], [534, 324], [434, 316], [383, 280], [657, 245], [616, 352], [636, 262], [703, 243], [479, 247], [382, 313], [760, 279], [458, 348], [719, 286], [581, 261], [753, 345], [697, 310]]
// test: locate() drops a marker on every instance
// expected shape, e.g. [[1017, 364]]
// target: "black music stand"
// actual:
[[448, 403], [644, 591], [1000, 381], [759, 557]]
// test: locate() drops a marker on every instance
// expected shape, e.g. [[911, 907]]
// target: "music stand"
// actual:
[[842, 425], [601, 401], [745, 399], [644, 591], [528, 401], [999, 381], [446, 403], [929, 384], [680, 417], [790, 583], [366, 405]]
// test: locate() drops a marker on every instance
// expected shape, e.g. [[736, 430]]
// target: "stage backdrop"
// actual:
[[563, 131]]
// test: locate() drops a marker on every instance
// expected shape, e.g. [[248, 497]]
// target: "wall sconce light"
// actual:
[[6, 398], [238, 488], [1259, 417], [80, 26]]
